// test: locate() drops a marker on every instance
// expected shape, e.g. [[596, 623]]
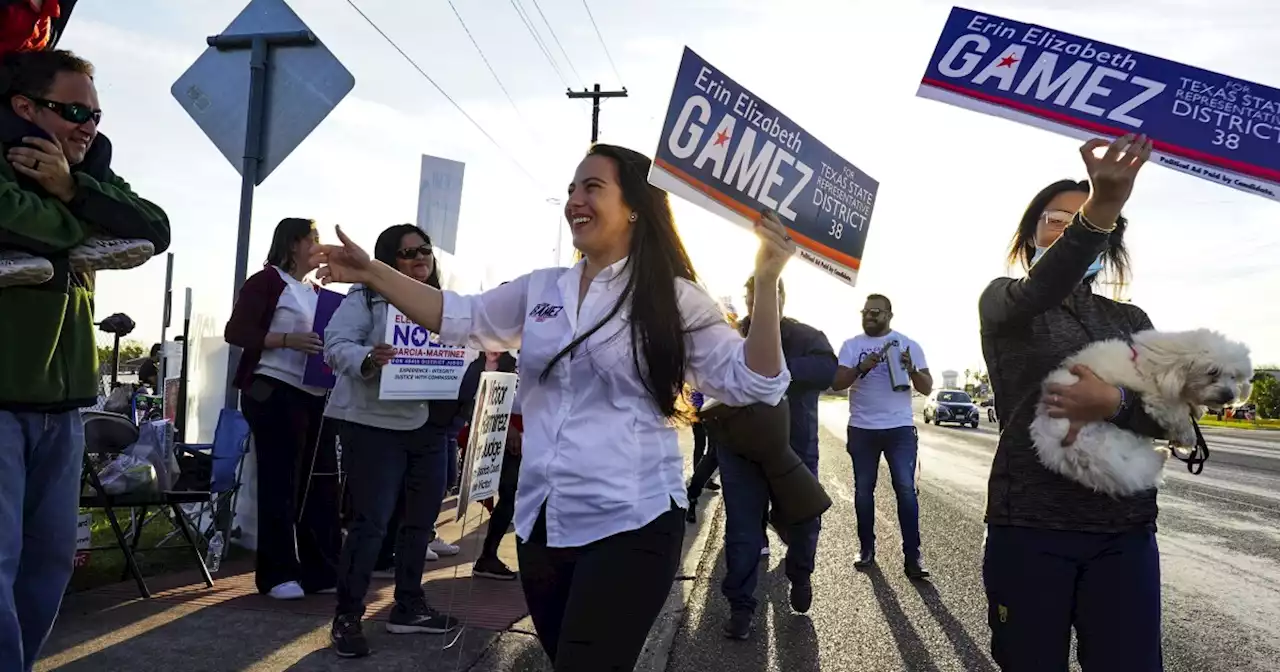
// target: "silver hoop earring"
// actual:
[[632, 218]]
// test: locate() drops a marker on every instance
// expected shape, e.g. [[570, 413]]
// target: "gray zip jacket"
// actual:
[[348, 340]]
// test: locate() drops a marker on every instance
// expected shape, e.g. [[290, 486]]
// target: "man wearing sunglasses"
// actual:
[[50, 203], [881, 423]]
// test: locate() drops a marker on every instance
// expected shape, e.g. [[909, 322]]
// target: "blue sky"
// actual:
[[953, 182]]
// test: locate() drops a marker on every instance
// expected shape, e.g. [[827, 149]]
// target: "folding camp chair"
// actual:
[[106, 436], [216, 467]]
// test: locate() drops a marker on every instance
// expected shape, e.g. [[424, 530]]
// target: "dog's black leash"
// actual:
[[1199, 453]]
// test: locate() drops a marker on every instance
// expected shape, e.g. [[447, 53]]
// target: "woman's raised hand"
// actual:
[[1111, 176], [347, 262], [776, 246]]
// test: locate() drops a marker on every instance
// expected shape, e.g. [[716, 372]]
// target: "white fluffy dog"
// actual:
[[1177, 374]]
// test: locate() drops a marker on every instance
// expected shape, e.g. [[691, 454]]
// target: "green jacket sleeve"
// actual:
[[111, 207], [35, 223]]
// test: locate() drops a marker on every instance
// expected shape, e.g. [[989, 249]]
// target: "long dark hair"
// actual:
[[1022, 247], [656, 260], [388, 245], [288, 232]]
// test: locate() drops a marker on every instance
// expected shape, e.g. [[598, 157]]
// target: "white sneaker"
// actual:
[[764, 551], [289, 590], [441, 547], [110, 254], [432, 556], [20, 268]]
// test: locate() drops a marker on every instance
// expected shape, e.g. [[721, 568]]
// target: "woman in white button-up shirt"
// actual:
[[606, 348]]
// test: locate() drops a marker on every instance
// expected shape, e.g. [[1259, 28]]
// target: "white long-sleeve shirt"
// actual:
[[597, 452]]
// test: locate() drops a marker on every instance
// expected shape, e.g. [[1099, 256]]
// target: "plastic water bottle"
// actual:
[[213, 559]]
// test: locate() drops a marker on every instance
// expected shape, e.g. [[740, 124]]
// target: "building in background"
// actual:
[[949, 380]]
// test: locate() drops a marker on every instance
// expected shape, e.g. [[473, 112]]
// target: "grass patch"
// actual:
[[1212, 421], [107, 566]]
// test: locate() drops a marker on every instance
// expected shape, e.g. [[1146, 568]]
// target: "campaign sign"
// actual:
[[725, 149], [317, 372], [422, 368], [487, 442], [1218, 128]]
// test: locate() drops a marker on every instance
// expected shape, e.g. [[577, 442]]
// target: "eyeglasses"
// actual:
[[411, 253], [874, 312], [1057, 218], [72, 112]]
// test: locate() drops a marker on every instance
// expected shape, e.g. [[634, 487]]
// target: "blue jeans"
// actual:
[[40, 465], [382, 467], [1040, 583], [746, 507], [899, 447]]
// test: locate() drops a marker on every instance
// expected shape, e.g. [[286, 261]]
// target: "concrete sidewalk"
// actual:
[[188, 627]]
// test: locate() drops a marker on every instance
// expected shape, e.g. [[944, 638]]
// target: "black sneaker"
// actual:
[[712, 486], [417, 617], [492, 568], [348, 637], [802, 596], [691, 516], [866, 560], [739, 624], [916, 571]]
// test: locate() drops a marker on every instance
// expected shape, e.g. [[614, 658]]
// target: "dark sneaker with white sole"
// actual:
[[21, 269], [110, 254], [417, 617], [348, 637], [493, 568]]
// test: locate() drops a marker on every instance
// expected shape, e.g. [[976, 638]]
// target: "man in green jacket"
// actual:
[[53, 197]]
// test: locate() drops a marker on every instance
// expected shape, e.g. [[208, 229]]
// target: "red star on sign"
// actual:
[[722, 137], [1008, 61]]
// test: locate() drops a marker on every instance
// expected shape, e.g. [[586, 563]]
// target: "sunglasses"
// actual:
[[874, 312], [72, 112], [411, 253]]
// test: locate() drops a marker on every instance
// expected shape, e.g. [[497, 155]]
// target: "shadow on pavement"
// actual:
[[795, 639], [967, 649], [910, 644]]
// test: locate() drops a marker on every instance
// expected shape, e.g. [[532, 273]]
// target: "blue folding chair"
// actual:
[[216, 467]]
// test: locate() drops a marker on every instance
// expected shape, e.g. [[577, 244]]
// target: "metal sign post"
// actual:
[[257, 115]]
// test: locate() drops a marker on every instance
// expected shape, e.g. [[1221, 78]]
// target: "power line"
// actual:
[[557, 41], [528, 25], [602, 43], [447, 97], [493, 72]]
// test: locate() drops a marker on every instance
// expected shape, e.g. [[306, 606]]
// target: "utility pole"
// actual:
[[595, 94]]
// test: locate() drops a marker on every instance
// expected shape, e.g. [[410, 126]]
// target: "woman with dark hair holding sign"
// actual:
[[1057, 554], [298, 534], [606, 349], [391, 453]]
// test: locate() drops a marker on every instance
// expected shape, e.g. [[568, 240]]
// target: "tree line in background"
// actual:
[[1266, 393], [129, 350]]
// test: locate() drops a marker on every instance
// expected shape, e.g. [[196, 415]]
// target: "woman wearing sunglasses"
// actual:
[[391, 451]]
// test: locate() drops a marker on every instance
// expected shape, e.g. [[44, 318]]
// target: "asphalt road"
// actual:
[[1219, 537]]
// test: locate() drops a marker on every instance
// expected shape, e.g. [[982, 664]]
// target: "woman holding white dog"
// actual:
[[1057, 553]]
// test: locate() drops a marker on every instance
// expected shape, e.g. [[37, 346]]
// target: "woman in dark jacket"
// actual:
[[272, 321], [1058, 554]]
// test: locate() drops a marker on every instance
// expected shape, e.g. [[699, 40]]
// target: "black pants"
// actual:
[[298, 530], [699, 442], [382, 466], [387, 556], [505, 509], [593, 605], [703, 470]]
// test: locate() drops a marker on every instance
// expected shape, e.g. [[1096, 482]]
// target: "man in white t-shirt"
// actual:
[[881, 423]]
